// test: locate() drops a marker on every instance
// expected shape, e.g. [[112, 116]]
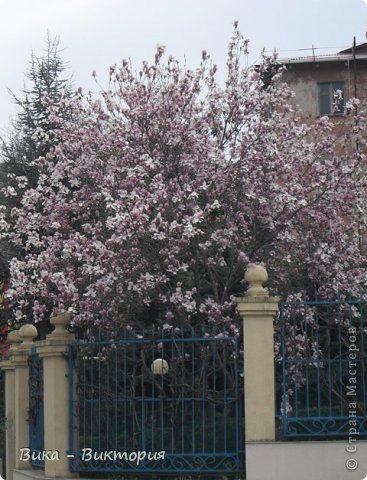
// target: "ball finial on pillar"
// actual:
[[13, 338], [27, 333]]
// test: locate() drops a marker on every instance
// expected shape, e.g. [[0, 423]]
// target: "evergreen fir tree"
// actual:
[[33, 134]]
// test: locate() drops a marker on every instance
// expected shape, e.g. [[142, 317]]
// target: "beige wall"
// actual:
[[304, 461], [285, 461], [39, 475]]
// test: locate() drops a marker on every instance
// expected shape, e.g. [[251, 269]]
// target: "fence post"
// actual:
[[19, 358], [257, 309], [9, 369], [54, 352]]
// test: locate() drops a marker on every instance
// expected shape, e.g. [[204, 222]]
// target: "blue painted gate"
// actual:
[[185, 415]]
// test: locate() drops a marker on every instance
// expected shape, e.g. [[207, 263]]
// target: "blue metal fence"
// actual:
[[186, 419], [321, 368], [36, 412]]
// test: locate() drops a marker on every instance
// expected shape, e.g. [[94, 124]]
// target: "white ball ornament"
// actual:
[[159, 366]]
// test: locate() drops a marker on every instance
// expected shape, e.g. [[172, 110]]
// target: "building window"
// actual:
[[331, 98]]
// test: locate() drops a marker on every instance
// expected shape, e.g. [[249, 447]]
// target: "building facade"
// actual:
[[322, 83]]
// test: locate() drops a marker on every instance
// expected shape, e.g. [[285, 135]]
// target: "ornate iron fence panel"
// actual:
[[36, 412], [157, 405], [321, 368]]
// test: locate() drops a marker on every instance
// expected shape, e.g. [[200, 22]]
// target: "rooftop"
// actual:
[[346, 55]]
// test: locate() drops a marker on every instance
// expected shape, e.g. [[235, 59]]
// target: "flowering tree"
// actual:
[[161, 192]]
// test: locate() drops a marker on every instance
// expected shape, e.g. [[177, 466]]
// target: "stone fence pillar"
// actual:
[[257, 309], [54, 351], [19, 359], [9, 369]]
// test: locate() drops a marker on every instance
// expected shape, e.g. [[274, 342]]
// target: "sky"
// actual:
[[95, 34]]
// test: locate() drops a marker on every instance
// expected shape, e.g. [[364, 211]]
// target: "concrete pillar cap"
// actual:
[[27, 333], [60, 322], [256, 276]]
